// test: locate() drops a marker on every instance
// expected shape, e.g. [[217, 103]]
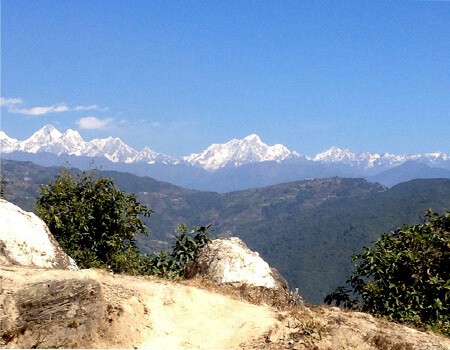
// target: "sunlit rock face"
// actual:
[[230, 261], [25, 240]]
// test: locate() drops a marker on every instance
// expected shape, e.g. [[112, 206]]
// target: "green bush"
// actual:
[[94, 222], [405, 276]]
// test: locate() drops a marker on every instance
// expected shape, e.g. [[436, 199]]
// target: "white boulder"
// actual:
[[230, 261], [25, 240]]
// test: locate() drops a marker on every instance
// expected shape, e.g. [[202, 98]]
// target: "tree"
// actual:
[[94, 222], [405, 276]]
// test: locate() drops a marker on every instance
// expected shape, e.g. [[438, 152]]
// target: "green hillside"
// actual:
[[312, 246], [307, 229]]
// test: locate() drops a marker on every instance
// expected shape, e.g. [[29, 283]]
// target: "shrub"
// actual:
[[94, 222], [172, 264], [405, 276]]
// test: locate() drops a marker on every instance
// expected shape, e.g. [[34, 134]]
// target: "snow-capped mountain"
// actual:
[[41, 139], [239, 152], [151, 157], [336, 155], [367, 160], [51, 140], [7, 144], [111, 148], [233, 153]]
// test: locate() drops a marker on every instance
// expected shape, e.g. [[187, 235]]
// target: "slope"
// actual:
[[312, 246], [149, 313]]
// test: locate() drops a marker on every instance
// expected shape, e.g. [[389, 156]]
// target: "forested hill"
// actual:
[[307, 229], [312, 246]]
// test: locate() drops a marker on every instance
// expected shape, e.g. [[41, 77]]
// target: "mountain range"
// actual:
[[234, 165]]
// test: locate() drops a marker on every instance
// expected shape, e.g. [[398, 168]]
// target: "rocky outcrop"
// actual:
[[25, 240], [230, 262], [54, 313]]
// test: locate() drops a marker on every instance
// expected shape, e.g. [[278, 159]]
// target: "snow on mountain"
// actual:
[[388, 160], [49, 139], [40, 139], [69, 143], [368, 160], [111, 148], [151, 157], [436, 157], [235, 152], [238, 152], [7, 144], [336, 155]]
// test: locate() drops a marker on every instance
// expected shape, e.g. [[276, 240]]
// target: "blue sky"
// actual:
[[179, 75]]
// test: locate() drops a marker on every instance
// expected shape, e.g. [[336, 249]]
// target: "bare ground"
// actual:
[[146, 312]]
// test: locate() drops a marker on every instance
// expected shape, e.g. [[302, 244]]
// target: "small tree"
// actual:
[[94, 222], [406, 276], [172, 264]]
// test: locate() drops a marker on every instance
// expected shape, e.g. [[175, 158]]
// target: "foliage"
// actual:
[[341, 297], [94, 222], [185, 249], [406, 276], [2, 186]]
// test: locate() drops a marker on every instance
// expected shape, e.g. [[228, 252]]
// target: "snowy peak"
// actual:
[[252, 138], [239, 152], [111, 148], [51, 140], [7, 144], [366, 160], [48, 132], [5, 137], [334, 155], [70, 142], [45, 136], [151, 157]]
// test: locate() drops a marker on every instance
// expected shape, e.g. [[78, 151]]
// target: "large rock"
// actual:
[[230, 261], [57, 313], [25, 240]]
